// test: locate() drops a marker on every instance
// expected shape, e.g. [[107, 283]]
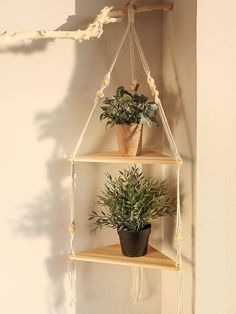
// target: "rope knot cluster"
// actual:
[[72, 227], [105, 82], [152, 85]]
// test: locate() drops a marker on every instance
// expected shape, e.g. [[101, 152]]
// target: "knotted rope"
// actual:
[[137, 271]]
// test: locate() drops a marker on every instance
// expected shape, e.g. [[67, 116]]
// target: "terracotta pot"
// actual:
[[129, 138]]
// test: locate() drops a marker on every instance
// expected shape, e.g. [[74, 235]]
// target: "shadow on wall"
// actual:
[[47, 215], [71, 24]]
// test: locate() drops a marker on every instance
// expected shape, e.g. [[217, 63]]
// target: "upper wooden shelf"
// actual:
[[112, 255], [149, 156]]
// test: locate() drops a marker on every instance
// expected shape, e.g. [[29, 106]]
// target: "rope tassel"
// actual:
[[137, 290], [179, 244]]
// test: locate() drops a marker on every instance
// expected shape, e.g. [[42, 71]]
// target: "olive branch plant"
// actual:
[[131, 201]]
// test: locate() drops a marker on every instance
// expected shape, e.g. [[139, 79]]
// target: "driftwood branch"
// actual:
[[141, 9], [94, 30]]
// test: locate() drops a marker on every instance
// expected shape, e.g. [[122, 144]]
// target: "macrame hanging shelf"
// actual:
[[111, 254]]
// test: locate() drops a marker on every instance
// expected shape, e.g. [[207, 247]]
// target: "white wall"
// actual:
[[34, 80], [47, 89], [216, 171]]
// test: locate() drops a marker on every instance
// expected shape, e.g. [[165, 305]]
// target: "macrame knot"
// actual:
[[178, 238], [155, 93], [72, 228], [100, 94], [106, 81], [151, 82]]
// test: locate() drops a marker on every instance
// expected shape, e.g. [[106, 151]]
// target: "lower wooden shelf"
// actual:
[[112, 255]]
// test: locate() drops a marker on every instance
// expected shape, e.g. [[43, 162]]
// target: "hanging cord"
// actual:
[[141, 53], [137, 290], [72, 273], [155, 93], [179, 244], [131, 47], [137, 272], [72, 226], [178, 234], [100, 94]]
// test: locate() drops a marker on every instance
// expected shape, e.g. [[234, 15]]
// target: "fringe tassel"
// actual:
[[137, 290], [72, 280]]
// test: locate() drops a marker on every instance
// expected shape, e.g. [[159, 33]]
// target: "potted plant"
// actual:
[[127, 112], [130, 202]]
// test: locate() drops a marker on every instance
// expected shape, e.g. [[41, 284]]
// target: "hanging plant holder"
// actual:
[[110, 254]]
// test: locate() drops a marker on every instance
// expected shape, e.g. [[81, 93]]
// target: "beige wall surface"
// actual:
[[216, 171], [46, 93]]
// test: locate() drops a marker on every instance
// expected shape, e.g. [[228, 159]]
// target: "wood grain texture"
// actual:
[[112, 255], [148, 156]]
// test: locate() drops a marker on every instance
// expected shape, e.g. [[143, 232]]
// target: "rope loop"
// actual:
[[131, 10]]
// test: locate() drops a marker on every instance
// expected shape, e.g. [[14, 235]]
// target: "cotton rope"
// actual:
[[179, 243], [137, 290], [72, 273], [137, 271], [72, 226], [131, 47], [100, 94], [174, 150], [155, 93]]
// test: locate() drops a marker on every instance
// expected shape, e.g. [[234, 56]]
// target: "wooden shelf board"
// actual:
[[112, 255], [149, 156]]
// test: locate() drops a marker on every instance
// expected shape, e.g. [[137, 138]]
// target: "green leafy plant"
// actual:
[[131, 201], [127, 108]]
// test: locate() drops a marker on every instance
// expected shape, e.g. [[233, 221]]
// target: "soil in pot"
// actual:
[[129, 138], [134, 243]]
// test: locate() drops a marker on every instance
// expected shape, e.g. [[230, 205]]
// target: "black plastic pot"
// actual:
[[134, 243]]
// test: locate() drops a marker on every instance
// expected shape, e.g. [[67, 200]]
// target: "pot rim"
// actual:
[[147, 226]]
